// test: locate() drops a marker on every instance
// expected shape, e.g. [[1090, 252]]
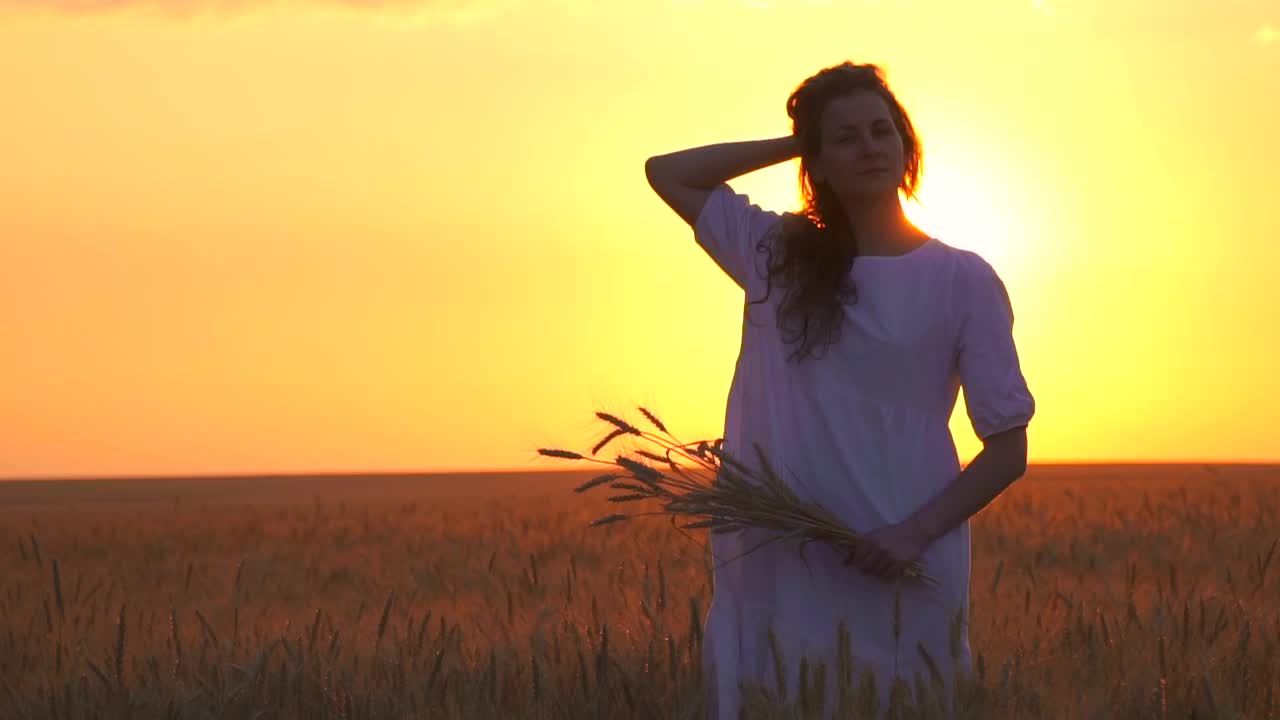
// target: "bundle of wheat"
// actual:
[[735, 499]]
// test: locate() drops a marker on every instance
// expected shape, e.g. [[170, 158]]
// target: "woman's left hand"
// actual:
[[886, 551]]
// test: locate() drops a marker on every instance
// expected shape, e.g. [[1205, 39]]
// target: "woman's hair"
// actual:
[[817, 246]]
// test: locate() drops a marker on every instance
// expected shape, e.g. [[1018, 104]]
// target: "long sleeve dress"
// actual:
[[862, 430]]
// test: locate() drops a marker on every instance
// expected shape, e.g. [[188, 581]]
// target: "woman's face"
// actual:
[[862, 152]]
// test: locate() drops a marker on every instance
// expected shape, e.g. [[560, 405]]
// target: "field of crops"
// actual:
[[1097, 592]]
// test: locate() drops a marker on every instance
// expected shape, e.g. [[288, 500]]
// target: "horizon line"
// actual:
[[528, 470]]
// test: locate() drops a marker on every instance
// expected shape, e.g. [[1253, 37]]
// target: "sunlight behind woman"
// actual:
[[963, 210]]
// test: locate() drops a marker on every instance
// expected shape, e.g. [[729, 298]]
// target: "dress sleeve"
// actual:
[[728, 229], [996, 396]]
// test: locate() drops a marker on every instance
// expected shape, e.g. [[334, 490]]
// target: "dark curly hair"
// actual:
[[816, 245]]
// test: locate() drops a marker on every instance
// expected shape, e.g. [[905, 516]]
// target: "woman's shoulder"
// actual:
[[963, 261]]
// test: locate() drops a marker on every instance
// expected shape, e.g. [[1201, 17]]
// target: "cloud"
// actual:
[[457, 11], [1266, 34]]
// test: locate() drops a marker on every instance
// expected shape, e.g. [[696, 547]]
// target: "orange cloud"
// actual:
[[453, 10]]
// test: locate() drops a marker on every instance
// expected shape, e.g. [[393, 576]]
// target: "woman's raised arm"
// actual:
[[685, 178]]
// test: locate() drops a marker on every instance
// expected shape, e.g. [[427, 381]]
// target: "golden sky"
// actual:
[[390, 236]]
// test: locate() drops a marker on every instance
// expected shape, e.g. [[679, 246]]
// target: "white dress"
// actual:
[[862, 430]]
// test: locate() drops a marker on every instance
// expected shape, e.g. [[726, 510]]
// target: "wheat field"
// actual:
[[1097, 592]]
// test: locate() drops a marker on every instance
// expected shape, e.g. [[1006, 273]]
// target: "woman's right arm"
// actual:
[[685, 178]]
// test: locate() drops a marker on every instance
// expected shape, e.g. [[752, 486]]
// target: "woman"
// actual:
[[903, 320]]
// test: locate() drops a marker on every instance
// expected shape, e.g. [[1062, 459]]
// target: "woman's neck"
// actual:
[[880, 226]]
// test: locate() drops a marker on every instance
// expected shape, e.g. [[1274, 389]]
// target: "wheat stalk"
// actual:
[[737, 498]]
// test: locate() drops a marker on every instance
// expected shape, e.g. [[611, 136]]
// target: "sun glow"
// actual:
[[963, 211], [952, 204]]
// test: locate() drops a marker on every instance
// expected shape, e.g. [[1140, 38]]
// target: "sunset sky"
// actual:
[[395, 236]]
